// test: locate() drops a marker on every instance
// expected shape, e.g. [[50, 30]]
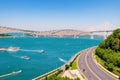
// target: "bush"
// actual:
[[110, 67], [66, 67]]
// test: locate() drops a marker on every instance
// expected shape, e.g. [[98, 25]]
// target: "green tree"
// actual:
[[115, 44], [116, 33], [110, 67], [66, 67]]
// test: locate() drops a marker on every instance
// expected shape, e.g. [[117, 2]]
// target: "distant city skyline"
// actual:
[[43, 15]]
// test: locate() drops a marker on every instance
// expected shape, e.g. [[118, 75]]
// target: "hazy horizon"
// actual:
[[44, 15]]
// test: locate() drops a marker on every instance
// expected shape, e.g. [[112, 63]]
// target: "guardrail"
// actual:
[[61, 67]]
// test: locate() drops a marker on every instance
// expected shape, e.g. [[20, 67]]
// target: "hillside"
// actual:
[[108, 52], [51, 33]]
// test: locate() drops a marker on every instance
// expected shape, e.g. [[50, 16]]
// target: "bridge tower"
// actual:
[[23, 34], [91, 35], [106, 26], [75, 36], [36, 34]]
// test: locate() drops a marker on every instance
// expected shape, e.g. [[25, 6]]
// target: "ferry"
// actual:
[[25, 57], [13, 49]]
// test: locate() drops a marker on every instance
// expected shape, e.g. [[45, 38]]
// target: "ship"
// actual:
[[25, 57], [42, 51], [13, 49]]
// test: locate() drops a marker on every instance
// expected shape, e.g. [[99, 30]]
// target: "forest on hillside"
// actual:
[[109, 52]]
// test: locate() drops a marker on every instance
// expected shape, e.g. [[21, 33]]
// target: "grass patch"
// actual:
[[73, 65]]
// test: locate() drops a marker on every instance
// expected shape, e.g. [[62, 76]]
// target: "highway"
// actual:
[[90, 69]]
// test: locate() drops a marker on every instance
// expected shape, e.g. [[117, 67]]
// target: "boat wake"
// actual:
[[15, 49], [62, 60], [39, 51], [22, 57], [15, 56], [12, 73]]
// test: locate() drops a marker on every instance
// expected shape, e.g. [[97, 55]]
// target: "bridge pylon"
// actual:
[[106, 34], [91, 35]]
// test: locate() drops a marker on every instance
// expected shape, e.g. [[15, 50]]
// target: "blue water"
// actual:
[[40, 63], [18, 34]]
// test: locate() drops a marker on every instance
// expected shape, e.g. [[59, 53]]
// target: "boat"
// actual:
[[42, 51], [13, 49], [25, 57]]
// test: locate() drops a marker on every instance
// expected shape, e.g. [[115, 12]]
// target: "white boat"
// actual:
[[25, 57], [42, 51], [13, 49]]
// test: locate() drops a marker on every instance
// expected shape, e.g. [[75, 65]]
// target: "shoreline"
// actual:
[[61, 67], [67, 63]]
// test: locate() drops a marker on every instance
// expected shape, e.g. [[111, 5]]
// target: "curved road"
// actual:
[[88, 67]]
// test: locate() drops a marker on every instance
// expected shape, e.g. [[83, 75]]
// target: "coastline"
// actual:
[[61, 67], [78, 49]]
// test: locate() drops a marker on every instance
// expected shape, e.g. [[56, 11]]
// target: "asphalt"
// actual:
[[90, 69]]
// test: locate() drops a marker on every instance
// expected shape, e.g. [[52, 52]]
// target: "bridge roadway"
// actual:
[[89, 68]]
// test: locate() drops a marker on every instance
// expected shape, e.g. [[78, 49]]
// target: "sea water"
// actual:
[[57, 51]]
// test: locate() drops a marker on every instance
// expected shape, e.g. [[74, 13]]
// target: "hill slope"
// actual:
[[108, 52], [52, 33]]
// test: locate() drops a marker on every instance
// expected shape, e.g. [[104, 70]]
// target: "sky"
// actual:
[[42, 15]]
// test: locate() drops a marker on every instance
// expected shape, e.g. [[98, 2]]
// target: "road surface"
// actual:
[[88, 67]]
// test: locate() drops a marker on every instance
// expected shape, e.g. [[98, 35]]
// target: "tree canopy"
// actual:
[[112, 42], [109, 52]]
